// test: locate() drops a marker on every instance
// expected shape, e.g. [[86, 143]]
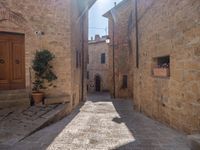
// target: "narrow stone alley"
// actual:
[[100, 75], [102, 124]]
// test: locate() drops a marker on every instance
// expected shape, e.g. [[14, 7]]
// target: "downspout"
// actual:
[[137, 34], [137, 41], [114, 96], [83, 59], [114, 84]]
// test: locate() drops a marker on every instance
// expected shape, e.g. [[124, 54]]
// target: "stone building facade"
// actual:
[[63, 25], [168, 32], [98, 67], [165, 59], [122, 50]]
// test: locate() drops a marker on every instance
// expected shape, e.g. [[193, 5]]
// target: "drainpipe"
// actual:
[[137, 34], [113, 48], [83, 60], [137, 42]]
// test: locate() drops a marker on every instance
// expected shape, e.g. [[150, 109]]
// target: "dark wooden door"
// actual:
[[12, 64], [98, 83], [4, 65]]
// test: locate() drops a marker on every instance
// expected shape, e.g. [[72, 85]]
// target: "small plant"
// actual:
[[43, 70]]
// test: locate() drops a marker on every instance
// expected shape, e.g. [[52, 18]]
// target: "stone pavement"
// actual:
[[18, 123], [105, 124]]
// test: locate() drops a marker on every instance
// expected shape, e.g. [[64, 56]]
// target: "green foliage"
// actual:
[[43, 69]]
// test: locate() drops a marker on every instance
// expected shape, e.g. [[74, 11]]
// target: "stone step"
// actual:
[[23, 102], [13, 95], [13, 91]]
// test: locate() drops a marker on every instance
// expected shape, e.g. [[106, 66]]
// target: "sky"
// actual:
[[97, 23]]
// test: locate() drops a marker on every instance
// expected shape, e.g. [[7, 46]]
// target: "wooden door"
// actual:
[[12, 64], [4, 65], [97, 83]]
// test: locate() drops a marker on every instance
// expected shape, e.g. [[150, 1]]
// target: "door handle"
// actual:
[[17, 61], [2, 61]]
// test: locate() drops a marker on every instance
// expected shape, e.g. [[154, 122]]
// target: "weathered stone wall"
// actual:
[[76, 49], [53, 18], [79, 51], [123, 59], [62, 27], [169, 27], [95, 67]]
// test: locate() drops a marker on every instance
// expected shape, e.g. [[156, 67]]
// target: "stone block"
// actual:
[[57, 100]]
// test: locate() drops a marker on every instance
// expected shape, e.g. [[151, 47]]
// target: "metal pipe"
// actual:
[[83, 58], [137, 32], [113, 46]]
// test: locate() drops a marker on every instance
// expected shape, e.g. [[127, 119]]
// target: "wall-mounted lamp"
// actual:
[[39, 33], [108, 40]]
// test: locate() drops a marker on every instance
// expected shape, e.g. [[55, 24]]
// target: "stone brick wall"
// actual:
[[96, 48], [123, 59], [168, 27], [77, 27], [53, 18], [79, 49], [63, 27]]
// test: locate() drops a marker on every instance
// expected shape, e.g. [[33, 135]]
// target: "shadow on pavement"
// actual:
[[38, 143], [148, 134]]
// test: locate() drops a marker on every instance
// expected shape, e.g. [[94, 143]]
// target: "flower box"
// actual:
[[161, 72]]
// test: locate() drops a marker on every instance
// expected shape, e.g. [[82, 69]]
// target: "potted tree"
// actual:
[[43, 74]]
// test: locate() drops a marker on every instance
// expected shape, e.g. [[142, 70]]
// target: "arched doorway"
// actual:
[[97, 83]]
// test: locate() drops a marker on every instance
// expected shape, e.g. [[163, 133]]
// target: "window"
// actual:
[[103, 58], [163, 62], [125, 82], [161, 66]]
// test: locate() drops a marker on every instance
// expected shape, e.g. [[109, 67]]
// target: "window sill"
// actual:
[[161, 77]]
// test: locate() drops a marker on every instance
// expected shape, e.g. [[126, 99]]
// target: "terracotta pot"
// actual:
[[161, 72], [37, 97]]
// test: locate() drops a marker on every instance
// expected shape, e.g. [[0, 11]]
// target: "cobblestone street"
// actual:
[[102, 124]]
